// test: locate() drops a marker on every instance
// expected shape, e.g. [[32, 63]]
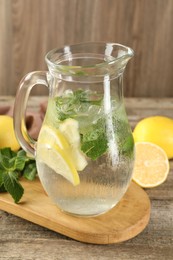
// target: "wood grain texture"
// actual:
[[23, 240], [30, 28], [123, 222]]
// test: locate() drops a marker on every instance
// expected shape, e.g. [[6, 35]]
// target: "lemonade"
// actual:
[[85, 152]]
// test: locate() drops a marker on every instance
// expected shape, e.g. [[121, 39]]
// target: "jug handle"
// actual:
[[26, 84]]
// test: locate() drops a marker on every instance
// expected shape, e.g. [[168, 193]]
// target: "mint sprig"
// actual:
[[87, 107], [12, 185], [14, 165]]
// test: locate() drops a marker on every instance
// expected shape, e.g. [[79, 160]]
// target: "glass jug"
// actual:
[[85, 149]]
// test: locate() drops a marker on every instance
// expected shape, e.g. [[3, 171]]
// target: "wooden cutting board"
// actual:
[[125, 221]]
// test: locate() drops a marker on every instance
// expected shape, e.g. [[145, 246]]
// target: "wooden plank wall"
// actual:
[[29, 28]]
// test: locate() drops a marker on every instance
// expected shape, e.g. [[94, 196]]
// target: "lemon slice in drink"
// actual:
[[151, 165], [54, 150], [70, 129]]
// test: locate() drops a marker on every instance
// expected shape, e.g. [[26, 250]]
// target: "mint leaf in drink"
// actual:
[[13, 186], [127, 146], [13, 165], [70, 104], [124, 137], [94, 148], [94, 140], [77, 104]]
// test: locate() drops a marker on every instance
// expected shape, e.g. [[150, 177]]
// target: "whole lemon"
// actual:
[[7, 135], [157, 130]]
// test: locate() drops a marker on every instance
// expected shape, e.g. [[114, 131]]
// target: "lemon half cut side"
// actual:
[[151, 165], [54, 151]]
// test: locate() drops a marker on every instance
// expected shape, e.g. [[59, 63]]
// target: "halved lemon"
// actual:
[[157, 130], [54, 150], [151, 165]]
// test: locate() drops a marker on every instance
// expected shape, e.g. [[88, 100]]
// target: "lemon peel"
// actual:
[[7, 134], [157, 130]]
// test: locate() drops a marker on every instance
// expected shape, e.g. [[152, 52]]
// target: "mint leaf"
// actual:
[[20, 160], [6, 152], [127, 146], [80, 73], [74, 104], [30, 171], [124, 137], [95, 148], [71, 104], [13, 165], [2, 188], [12, 186], [6, 161], [94, 140], [1, 177]]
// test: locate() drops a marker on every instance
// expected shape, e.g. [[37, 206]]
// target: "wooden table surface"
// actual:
[[22, 240]]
